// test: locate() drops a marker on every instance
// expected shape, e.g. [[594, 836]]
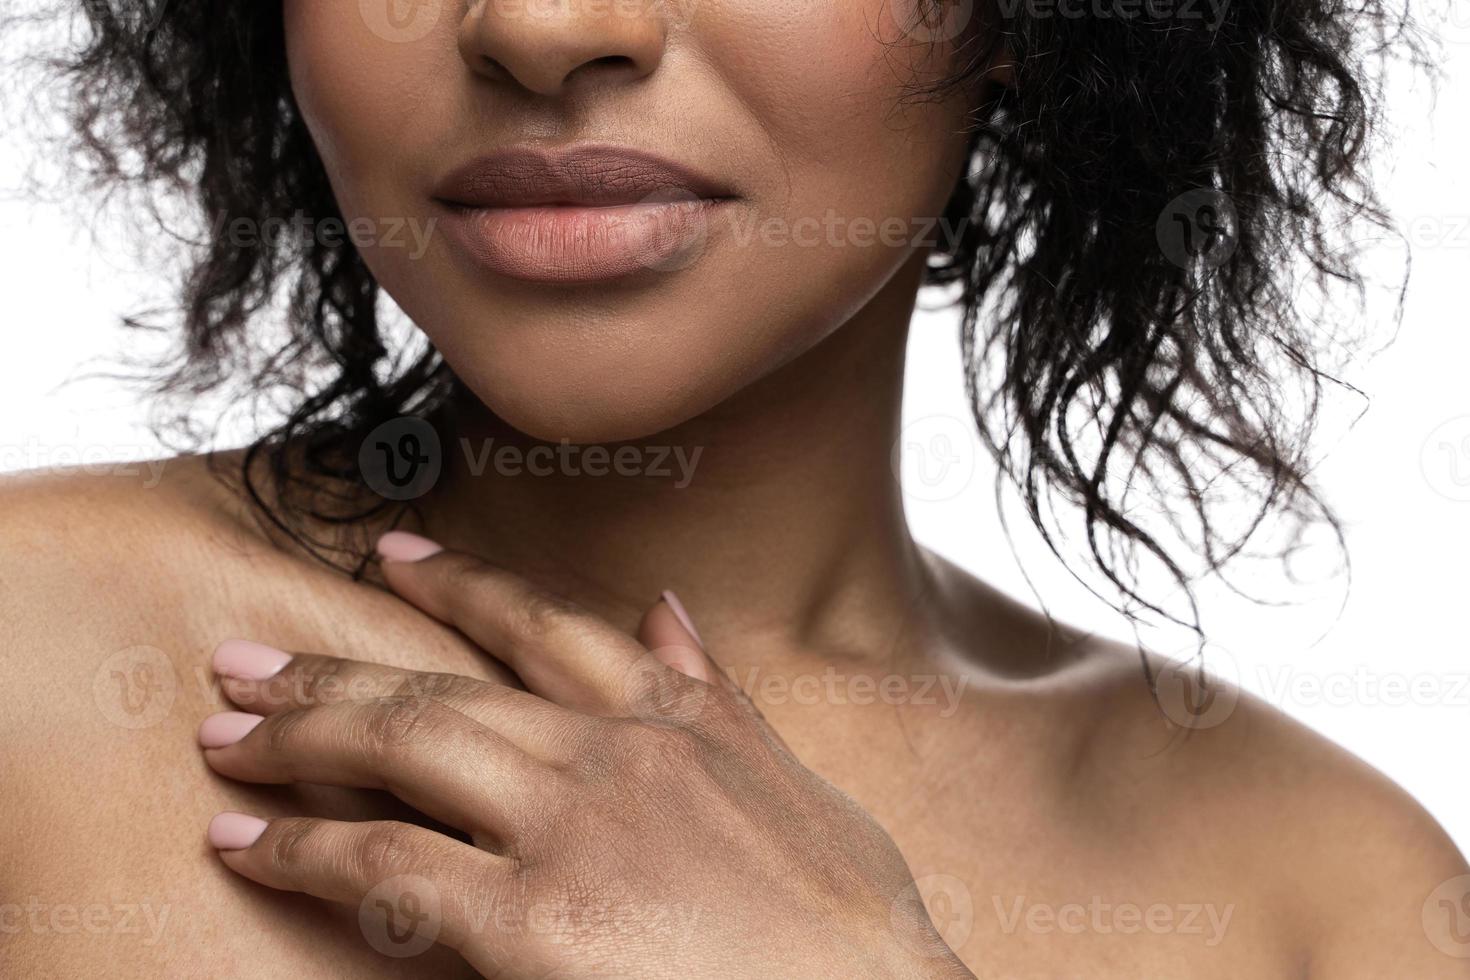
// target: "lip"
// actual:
[[587, 214]]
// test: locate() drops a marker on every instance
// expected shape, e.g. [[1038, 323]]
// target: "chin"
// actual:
[[587, 402], [583, 419]]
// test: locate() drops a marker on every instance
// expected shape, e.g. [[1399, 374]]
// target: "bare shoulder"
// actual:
[[166, 554], [80, 551], [114, 590], [1201, 793], [101, 572], [1361, 879]]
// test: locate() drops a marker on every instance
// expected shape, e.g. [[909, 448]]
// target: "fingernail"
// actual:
[[402, 546], [230, 831], [226, 728], [688, 662], [249, 661], [682, 615]]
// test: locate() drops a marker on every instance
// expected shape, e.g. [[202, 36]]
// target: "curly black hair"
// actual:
[[1152, 186]]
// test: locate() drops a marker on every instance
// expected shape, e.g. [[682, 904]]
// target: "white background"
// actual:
[[1389, 679]]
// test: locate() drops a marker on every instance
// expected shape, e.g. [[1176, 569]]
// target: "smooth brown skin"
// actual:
[[1057, 780]]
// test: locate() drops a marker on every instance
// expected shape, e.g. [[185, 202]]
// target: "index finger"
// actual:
[[267, 681], [560, 651]]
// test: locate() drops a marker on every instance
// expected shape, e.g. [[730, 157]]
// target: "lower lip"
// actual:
[[574, 244]]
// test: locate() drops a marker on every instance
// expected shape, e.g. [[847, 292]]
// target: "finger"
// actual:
[[667, 631], [560, 651], [428, 755], [423, 886], [266, 681]]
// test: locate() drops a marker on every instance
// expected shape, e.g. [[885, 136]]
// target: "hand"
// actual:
[[629, 814]]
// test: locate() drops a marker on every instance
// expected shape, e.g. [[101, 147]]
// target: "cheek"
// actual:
[[360, 91], [860, 162], [836, 87]]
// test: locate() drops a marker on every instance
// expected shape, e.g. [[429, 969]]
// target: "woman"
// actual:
[[428, 637]]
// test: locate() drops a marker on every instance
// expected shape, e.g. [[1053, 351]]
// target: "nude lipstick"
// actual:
[[587, 214]]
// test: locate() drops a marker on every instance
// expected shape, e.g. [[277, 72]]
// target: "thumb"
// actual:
[[669, 633]]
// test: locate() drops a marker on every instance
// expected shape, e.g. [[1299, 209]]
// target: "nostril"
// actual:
[[617, 64], [494, 69]]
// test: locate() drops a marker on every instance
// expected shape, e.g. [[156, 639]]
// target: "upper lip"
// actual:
[[592, 176]]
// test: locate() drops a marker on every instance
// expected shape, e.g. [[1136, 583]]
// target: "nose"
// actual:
[[544, 44]]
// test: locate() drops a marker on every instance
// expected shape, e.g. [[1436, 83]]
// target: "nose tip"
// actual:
[[546, 46]]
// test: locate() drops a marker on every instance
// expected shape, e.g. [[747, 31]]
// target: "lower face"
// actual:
[[609, 216]]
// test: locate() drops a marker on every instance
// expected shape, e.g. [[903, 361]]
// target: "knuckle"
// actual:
[[591, 752], [646, 683], [384, 849], [679, 744], [722, 717], [283, 731], [325, 681], [291, 840], [542, 614], [656, 748], [464, 581], [657, 692], [461, 575], [543, 812], [431, 685], [674, 760], [399, 721]]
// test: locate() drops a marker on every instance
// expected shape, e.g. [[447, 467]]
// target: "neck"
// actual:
[[776, 517]]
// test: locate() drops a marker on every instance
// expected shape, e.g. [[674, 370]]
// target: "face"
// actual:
[[611, 215]]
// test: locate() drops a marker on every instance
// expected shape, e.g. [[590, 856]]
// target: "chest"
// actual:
[[1025, 879]]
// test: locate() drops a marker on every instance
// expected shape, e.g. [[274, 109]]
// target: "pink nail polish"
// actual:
[[688, 662], [248, 660], [682, 615], [402, 546], [230, 831], [226, 728]]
